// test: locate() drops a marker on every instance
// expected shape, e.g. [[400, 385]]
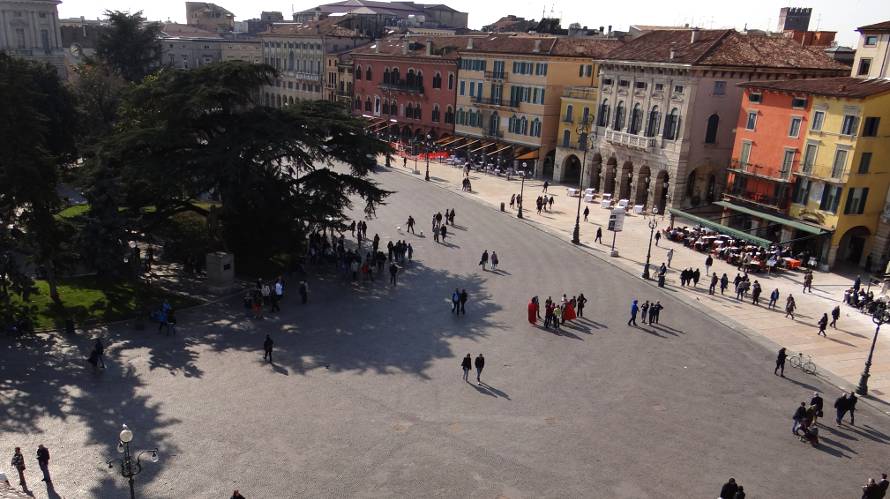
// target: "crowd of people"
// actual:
[[557, 313]]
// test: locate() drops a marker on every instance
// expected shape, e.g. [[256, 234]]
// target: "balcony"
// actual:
[[774, 202], [495, 102], [776, 174], [583, 93], [402, 86], [630, 140], [495, 75]]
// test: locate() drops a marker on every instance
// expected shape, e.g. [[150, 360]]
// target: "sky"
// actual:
[[830, 15]]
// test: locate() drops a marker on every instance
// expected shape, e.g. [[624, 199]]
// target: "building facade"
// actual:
[[30, 29], [509, 95], [374, 18], [824, 142], [669, 102], [873, 52], [298, 52], [577, 115], [408, 85], [241, 49], [209, 17]]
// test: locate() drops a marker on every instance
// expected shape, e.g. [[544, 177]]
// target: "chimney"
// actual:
[[537, 45], [694, 37], [602, 32], [470, 43], [429, 47], [610, 29], [404, 47]]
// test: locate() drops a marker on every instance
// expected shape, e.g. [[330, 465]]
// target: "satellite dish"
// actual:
[[655, 210]]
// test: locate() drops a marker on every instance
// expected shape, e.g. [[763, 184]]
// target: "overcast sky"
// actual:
[[832, 15]]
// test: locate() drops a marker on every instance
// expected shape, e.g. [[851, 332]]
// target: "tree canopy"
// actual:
[[129, 45]]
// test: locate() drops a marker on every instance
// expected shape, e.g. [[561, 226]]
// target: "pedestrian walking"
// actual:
[[303, 290], [443, 232], [483, 261], [410, 252], [550, 204], [480, 365], [455, 302], [851, 407], [817, 403], [729, 489], [277, 294], [870, 490], [657, 238], [393, 271], [546, 185], [883, 484], [410, 224], [780, 362], [798, 418], [755, 293], [808, 281], [714, 281], [599, 235], [823, 322], [43, 461], [267, 348], [18, 464], [773, 298], [790, 306], [835, 314], [724, 283], [670, 256], [696, 275], [586, 212], [463, 301], [582, 301], [100, 352], [466, 365], [634, 308], [494, 261], [512, 201], [708, 262], [236, 494], [644, 310], [840, 407]]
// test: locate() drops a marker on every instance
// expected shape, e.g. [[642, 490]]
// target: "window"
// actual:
[[798, 102], [607, 81], [871, 40], [719, 88], [535, 128], [358, 73], [463, 87], [585, 116], [831, 196], [864, 67], [44, 40], [588, 70], [619, 117], [541, 69], [20, 38], [755, 98], [809, 157], [850, 124], [659, 87], [377, 105], [570, 110], [818, 119], [641, 85], [436, 113], [870, 127], [840, 160], [636, 120], [386, 79], [603, 117], [449, 115], [745, 155], [787, 163], [801, 191], [711, 132], [752, 120], [566, 138], [451, 81], [864, 162], [581, 70], [856, 198], [472, 88], [794, 128], [678, 89], [672, 124], [437, 80], [623, 83], [654, 122]]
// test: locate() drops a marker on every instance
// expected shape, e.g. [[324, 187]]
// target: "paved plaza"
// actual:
[[366, 397]]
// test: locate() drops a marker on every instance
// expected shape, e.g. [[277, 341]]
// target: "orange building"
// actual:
[[768, 143]]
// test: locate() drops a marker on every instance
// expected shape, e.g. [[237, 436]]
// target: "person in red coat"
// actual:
[[533, 310]]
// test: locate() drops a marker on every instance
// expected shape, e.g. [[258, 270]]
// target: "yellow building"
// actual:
[[509, 95], [576, 121], [873, 51], [844, 174]]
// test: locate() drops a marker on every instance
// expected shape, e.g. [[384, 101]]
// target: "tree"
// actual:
[[183, 134], [129, 45], [37, 127], [97, 90]]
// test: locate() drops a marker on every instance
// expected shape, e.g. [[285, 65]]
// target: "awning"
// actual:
[[773, 218], [450, 140], [483, 146], [498, 150], [528, 155], [467, 144], [729, 231], [442, 140]]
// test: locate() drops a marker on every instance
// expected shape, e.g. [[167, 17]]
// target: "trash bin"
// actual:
[[502, 206]]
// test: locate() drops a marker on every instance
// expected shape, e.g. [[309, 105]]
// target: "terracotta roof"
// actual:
[[543, 45], [585, 47], [325, 27], [722, 47], [845, 86], [186, 31], [442, 46], [884, 26]]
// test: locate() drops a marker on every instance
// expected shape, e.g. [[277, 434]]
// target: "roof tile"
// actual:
[[845, 86]]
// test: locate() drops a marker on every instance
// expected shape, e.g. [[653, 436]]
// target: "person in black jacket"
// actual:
[[267, 348], [466, 365], [840, 405], [729, 489], [463, 301], [799, 416], [817, 403], [740, 494], [780, 362], [851, 406], [100, 352], [823, 322], [43, 461], [480, 365]]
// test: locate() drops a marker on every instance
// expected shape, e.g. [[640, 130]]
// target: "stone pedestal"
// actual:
[[220, 272]]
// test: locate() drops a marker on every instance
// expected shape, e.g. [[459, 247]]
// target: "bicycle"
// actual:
[[804, 363]]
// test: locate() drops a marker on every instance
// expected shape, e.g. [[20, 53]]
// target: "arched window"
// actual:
[[278, 99], [386, 76], [290, 100], [419, 82], [417, 114], [570, 110], [636, 120], [394, 76], [450, 81], [494, 123], [619, 116], [603, 118], [671, 124], [358, 72], [435, 115], [437, 80], [461, 117], [566, 138], [523, 125], [290, 61], [449, 115], [536, 128], [654, 121], [409, 80], [409, 110], [585, 117], [368, 104], [376, 105], [385, 107], [357, 103], [711, 132], [368, 74]]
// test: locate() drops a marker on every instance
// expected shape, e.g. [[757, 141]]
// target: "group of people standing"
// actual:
[[805, 418], [485, 259], [439, 224], [556, 313], [652, 311], [18, 464]]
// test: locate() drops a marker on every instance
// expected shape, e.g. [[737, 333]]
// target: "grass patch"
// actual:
[[74, 211], [90, 300]]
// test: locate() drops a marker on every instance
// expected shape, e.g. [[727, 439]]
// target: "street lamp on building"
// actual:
[[521, 189], [583, 130], [428, 146], [130, 466], [652, 225], [880, 317]]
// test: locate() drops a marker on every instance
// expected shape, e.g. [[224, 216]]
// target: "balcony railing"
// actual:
[[495, 75], [630, 140], [402, 86], [493, 101], [778, 174], [779, 203], [585, 93]]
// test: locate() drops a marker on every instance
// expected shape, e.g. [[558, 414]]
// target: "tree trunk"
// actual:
[[53, 284]]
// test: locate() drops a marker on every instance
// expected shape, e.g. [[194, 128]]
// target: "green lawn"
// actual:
[[92, 301], [81, 209]]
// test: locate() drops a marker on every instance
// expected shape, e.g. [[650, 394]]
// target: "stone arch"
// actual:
[[691, 190], [852, 246], [609, 177], [644, 180], [625, 180], [571, 169], [596, 167], [406, 132], [547, 166], [660, 191]]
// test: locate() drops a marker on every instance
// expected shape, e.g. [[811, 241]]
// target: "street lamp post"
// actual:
[[880, 317], [583, 130], [652, 225], [416, 150], [521, 189], [428, 145], [130, 466]]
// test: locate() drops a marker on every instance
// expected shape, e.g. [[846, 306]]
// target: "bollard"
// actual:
[[502, 206]]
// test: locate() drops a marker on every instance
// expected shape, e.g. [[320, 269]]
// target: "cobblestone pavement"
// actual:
[[365, 398], [841, 356]]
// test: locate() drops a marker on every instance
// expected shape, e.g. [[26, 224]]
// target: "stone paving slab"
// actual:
[[841, 356]]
